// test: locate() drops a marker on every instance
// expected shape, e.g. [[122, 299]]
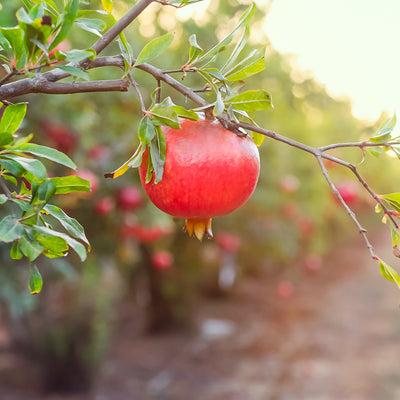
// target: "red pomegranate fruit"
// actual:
[[209, 171]]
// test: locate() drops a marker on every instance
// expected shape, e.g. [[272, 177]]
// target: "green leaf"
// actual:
[[393, 199], [32, 165], [13, 167], [76, 55], [107, 5], [195, 50], [45, 152], [126, 51], [237, 50], [35, 279], [188, 114], [10, 229], [92, 25], [55, 246], [15, 252], [74, 71], [158, 154], [15, 37], [375, 151], [146, 130], [165, 115], [70, 184], [149, 170], [251, 100], [244, 20], [66, 21], [389, 273], [12, 117], [384, 132], [250, 70], [154, 48], [219, 106], [395, 239], [74, 244], [30, 248], [6, 138], [3, 198], [71, 225], [133, 162]]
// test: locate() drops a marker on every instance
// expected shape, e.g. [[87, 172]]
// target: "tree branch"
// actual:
[[116, 29]]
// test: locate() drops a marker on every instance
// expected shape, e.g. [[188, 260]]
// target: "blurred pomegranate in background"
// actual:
[[228, 242], [162, 260], [61, 137], [348, 191], [104, 206], [129, 198]]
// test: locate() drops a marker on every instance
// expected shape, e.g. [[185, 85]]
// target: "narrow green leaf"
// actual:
[[30, 248], [188, 114], [76, 55], [70, 184], [133, 162], [251, 100], [244, 20], [165, 115], [71, 225], [195, 50], [237, 50], [12, 117], [6, 138], [35, 279], [13, 167], [252, 58], [158, 154], [92, 25], [66, 21], [55, 246], [78, 247], [10, 229], [74, 71], [32, 165], [154, 48], [389, 273], [3, 198], [150, 169], [384, 132], [250, 70], [219, 106], [15, 252], [146, 130], [45, 152], [15, 37]]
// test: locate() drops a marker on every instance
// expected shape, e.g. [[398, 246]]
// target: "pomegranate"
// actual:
[[209, 171], [162, 260], [348, 191], [104, 206], [129, 198]]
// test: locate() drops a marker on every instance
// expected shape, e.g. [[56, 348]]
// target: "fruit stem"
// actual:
[[199, 227]]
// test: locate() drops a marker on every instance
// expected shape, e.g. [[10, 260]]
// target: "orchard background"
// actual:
[[141, 267]]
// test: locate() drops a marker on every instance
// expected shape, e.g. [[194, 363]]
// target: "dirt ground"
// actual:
[[336, 337]]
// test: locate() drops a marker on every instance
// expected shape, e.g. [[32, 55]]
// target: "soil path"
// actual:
[[336, 337]]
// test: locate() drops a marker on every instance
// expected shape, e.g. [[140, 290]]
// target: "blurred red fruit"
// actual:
[[145, 234], [289, 183], [89, 176], [348, 191], [129, 198], [284, 290], [228, 242], [104, 206], [290, 211], [306, 226], [312, 263], [162, 260], [62, 138], [99, 152]]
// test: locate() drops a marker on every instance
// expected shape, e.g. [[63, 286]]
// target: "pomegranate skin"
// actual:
[[209, 171]]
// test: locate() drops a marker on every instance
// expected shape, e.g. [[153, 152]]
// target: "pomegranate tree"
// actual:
[[209, 171]]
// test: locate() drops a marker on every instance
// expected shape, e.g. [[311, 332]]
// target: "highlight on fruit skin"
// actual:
[[209, 171]]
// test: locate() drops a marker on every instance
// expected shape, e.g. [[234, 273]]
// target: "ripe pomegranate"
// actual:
[[145, 234], [209, 171]]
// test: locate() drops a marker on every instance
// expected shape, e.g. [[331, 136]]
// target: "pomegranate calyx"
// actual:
[[199, 227]]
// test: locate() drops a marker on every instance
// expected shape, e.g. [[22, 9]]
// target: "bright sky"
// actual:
[[351, 46]]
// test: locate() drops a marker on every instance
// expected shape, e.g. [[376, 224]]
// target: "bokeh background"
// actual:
[[111, 327]]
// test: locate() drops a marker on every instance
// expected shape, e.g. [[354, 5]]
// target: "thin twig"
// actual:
[[362, 230], [136, 86]]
